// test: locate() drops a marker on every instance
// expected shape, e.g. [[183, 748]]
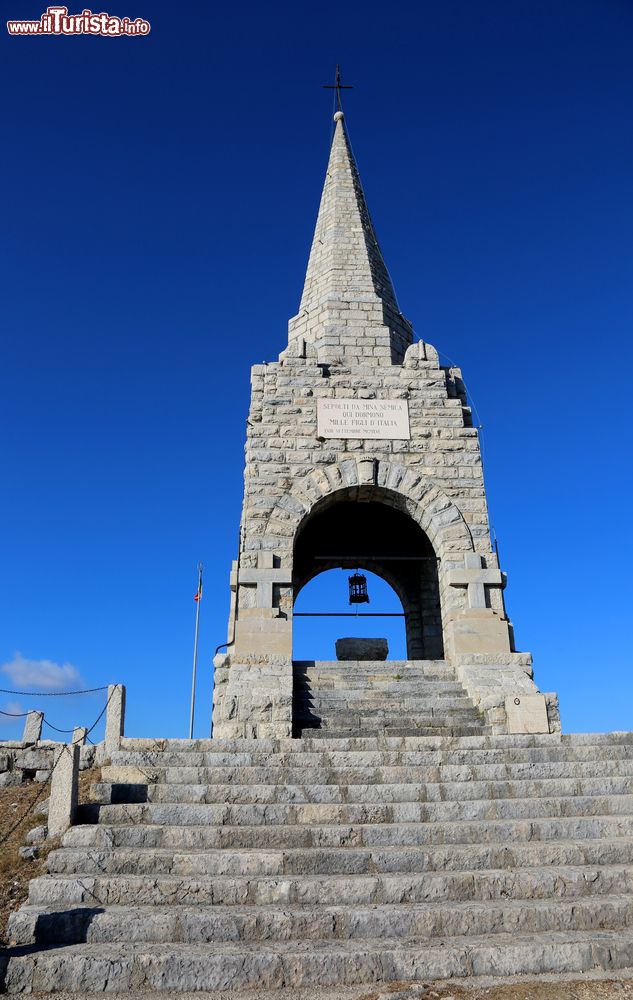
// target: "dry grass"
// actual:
[[21, 804]]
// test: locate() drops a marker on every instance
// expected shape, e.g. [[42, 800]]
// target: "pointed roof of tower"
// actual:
[[348, 310], [345, 259]]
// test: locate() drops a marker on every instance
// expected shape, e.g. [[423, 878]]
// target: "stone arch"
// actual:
[[433, 510], [370, 529], [435, 513]]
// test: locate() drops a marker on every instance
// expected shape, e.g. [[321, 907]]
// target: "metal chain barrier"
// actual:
[[45, 783], [52, 694]]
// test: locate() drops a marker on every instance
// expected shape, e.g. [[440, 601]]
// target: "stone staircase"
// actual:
[[397, 698], [278, 863]]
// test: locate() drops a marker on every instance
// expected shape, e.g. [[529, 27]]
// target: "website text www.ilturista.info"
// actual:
[[57, 21]]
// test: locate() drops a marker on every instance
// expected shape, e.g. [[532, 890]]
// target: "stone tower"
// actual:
[[361, 452]]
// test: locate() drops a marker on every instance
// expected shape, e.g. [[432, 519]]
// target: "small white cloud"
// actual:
[[12, 708], [42, 674]]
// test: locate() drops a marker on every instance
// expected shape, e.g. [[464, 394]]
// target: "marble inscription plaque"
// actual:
[[363, 418]]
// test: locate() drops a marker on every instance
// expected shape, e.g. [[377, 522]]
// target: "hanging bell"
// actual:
[[358, 589]]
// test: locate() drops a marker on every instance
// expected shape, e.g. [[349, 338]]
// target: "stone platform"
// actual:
[[277, 864]]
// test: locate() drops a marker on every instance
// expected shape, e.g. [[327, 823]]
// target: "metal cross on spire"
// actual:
[[338, 87]]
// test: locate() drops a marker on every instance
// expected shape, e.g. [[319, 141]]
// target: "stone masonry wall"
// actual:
[[24, 762], [282, 447]]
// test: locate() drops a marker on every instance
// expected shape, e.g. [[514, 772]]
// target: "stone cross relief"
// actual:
[[264, 577], [475, 578]]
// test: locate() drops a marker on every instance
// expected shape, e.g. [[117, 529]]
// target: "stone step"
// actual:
[[323, 754], [485, 742], [348, 861], [274, 774], [552, 882], [408, 730], [365, 684], [384, 701], [375, 679], [345, 836], [376, 666], [366, 691], [371, 688], [342, 718], [179, 968], [361, 812], [202, 924], [410, 791], [389, 722]]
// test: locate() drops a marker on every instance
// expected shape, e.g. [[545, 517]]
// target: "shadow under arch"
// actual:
[[371, 528]]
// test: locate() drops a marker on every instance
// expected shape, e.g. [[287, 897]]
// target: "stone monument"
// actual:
[[431, 821], [358, 432]]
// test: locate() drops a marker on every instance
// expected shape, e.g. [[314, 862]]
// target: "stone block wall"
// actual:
[[288, 468], [24, 762]]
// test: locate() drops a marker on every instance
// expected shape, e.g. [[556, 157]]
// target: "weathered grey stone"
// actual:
[[64, 789], [123, 774], [10, 778], [29, 853], [32, 727], [253, 700], [115, 718], [351, 648], [37, 835], [87, 756], [34, 760], [527, 714]]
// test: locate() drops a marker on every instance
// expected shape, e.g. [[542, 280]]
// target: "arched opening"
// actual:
[[370, 529], [323, 614]]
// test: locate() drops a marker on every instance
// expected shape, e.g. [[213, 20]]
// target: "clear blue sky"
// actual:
[[159, 196]]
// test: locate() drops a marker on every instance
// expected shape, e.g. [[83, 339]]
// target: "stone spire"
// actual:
[[348, 308]]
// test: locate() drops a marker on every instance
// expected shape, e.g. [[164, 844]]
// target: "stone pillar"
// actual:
[[79, 735], [478, 628], [260, 628], [64, 789], [115, 718], [33, 727]]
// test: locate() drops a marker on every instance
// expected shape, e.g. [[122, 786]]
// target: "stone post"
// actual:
[[79, 735], [64, 789], [33, 727], [115, 718]]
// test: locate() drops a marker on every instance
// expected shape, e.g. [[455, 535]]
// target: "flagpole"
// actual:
[[195, 651]]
